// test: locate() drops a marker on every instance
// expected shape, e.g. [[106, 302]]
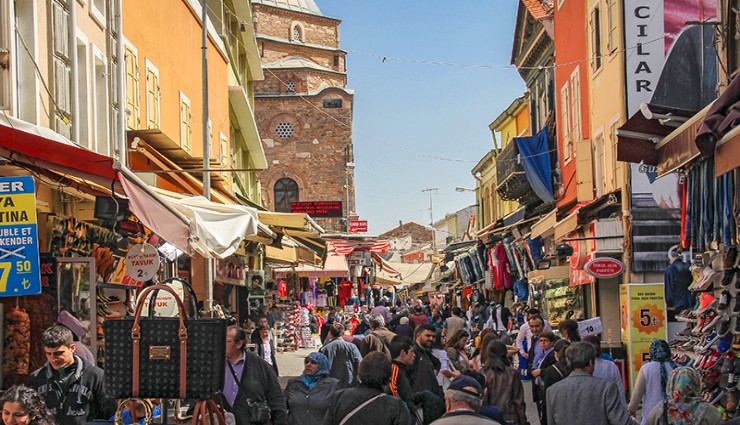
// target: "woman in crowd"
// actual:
[[504, 389], [446, 372], [481, 353], [309, 395], [650, 386], [569, 330], [558, 371], [455, 348], [24, 406], [683, 404]]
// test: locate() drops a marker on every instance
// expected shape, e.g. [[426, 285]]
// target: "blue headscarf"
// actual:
[[660, 352], [323, 362]]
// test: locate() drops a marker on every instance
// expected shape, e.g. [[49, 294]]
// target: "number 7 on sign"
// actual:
[[5, 268]]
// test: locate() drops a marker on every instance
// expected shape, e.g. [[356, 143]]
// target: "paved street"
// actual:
[[290, 365]]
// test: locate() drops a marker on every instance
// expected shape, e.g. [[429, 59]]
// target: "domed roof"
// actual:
[[305, 6]]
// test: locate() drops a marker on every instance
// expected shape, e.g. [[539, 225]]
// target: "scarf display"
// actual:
[[660, 352], [311, 380], [684, 403]]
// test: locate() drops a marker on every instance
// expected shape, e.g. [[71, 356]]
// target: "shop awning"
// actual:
[[191, 223], [636, 138], [410, 274], [300, 227], [335, 265], [545, 226], [32, 145], [247, 125]]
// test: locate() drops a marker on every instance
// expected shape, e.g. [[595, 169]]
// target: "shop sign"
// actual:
[[231, 270], [165, 304], [604, 267], [590, 327], [142, 262], [318, 208], [19, 246], [358, 226], [643, 318], [359, 259]]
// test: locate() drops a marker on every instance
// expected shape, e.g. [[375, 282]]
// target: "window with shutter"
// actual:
[[132, 88], [584, 171], [612, 42], [5, 37], [152, 96], [595, 28], [185, 124], [564, 123], [60, 32], [575, 104]]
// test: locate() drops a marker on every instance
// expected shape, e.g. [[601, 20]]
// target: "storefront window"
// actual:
[[286, 191]]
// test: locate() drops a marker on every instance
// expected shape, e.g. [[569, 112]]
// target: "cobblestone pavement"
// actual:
[[290, 365]]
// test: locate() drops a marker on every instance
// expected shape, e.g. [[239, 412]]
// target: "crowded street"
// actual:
[[336, 212]]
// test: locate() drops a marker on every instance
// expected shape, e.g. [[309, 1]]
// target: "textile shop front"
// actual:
[[95, 243]]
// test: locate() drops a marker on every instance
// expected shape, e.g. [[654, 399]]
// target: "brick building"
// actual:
[[303, 108]]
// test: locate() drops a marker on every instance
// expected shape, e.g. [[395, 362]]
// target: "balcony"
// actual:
[[512, 183]]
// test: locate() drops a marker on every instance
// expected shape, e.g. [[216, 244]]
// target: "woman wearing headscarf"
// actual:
[[650, 386], [504, 389], [309, 395], [683, 404]]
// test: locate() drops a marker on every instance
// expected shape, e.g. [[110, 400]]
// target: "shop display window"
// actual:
[[563, 301]]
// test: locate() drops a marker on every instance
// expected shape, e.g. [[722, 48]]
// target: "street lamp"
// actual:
[[463, 189], [431, 217]]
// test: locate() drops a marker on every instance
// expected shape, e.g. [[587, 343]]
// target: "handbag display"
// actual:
[[164, 357], [148, 415]]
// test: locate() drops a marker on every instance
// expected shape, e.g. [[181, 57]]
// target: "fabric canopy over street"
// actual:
[[334, 266], [535, 157], [209, 228], [300, 227], [409, 274], [374, 247]]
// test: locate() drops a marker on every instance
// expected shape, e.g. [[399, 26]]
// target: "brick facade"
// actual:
[[306, 129]]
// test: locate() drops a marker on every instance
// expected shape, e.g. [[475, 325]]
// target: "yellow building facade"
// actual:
[[512, 122]]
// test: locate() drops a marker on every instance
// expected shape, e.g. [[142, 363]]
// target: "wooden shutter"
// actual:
[[584, 174], [152, 99]]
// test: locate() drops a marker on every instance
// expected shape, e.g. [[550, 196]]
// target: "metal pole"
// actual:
[[431, 218], [206, 153], [346, 208]]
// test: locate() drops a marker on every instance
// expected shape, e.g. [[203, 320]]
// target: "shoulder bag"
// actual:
[[358, 408], [164, 357], [259, 411]]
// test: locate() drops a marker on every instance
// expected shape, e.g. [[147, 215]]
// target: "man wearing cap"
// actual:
[[463, 400]]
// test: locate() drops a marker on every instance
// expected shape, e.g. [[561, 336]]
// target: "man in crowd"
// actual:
[[379, 338], [418, 318], [248, 378], [525, 334], [402, 352], [344, 357], [567, 399], [265, 347], [327, 325], [453, 323], [536, 356], [366, 404], [605, 368], [463, 400], [382, 310], [423, 374], [71, 388]]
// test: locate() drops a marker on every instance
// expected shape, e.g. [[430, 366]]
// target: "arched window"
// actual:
[[286, 191], [297, 34]]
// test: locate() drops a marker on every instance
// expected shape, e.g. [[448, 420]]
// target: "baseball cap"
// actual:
[[466, 384]]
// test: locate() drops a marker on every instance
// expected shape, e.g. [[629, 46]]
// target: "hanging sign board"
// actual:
[[643, 317], [604, 267], [358, 226], [142, 262], [165, 304], [590, 327], [359, 259], [19, 245]]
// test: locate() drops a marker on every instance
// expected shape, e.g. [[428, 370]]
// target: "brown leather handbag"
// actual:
[[164, 357]]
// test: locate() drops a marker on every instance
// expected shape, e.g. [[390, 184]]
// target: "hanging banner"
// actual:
[[643, 312], [19, 245]]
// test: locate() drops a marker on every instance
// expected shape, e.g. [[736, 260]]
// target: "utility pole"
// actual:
[[206, 153], [431, 217]]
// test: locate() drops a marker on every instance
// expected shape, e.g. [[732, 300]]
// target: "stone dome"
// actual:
[[304, 6]]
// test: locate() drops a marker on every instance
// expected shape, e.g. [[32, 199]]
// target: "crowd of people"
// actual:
[[397, 367]]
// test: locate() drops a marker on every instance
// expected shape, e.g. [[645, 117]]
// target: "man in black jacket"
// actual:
[[422, 374], [72, 389], [249, 378], [403, 354]]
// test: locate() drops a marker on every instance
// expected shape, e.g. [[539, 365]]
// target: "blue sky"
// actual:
[[405, 110]]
